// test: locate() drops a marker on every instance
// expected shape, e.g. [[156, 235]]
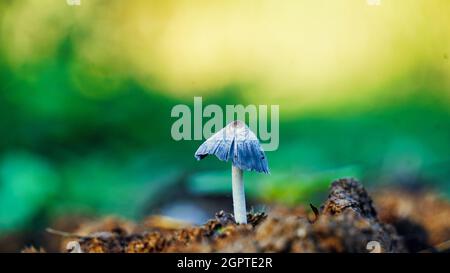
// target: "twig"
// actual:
[[102, 234], [63, 233]]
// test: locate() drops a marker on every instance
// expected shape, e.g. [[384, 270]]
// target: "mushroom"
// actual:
[[238, 143], [73, 247]]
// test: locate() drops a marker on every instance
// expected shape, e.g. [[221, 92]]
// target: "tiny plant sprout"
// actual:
[[238, 143]]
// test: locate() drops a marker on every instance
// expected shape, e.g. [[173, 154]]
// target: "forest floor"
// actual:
[[349, 220]]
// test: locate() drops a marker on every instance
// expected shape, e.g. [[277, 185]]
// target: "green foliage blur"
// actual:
[[89, 136]]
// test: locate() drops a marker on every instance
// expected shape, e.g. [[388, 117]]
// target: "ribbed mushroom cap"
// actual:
[[238, 142]]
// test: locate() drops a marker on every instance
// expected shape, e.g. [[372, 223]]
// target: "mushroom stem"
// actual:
[[240, 212]]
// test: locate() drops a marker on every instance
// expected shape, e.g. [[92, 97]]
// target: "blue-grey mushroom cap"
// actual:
[[238, 143]]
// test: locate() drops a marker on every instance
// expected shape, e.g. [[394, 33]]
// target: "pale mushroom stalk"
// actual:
[[240, 211], [238, 144]]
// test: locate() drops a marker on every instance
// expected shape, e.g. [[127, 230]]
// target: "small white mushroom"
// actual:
[[74, 247], [374, 247]]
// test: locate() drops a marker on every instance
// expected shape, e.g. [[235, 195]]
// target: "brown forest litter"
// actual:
[[346, 222]]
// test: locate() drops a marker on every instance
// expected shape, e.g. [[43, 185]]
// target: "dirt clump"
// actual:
[[421, 218]]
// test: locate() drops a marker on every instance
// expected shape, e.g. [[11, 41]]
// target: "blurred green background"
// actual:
[[86, 93]]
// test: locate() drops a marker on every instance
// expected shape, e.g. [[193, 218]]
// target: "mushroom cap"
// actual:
[[238, 143]]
